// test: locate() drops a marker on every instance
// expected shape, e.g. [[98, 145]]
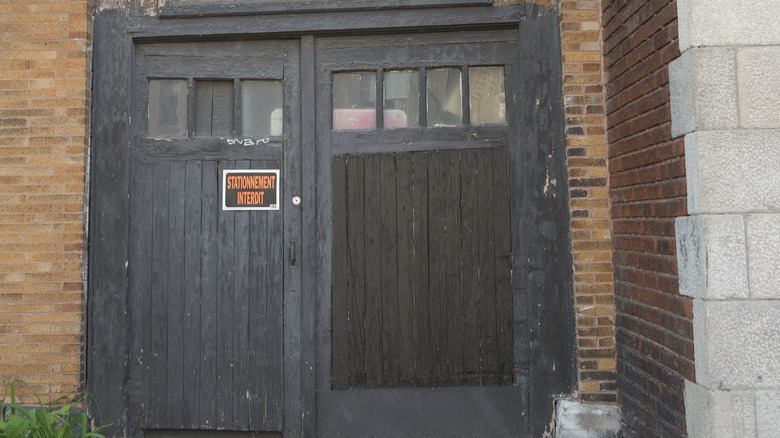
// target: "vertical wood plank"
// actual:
[[472, 280], [502, 257], [225, 359], [141, 277], [340, 276], [112, 358], [388, 256], [437, 292], [258, 318], [240, 314], [192, 311], [275, 280], [175, 264], [292, 245], [451, 291], [311, 263], [370, 262], [356, 256], [486, 263], [420, 267], [208, 297], [158, 318], [326, 376], [405, 228]]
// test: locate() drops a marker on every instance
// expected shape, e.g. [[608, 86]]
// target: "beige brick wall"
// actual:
[[44, 120], [589, 198]]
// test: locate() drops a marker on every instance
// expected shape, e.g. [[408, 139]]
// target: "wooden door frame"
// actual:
[[410, 410], [547, 267]]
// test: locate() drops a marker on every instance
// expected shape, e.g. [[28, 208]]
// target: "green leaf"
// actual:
[[57, 420], [16, 427]]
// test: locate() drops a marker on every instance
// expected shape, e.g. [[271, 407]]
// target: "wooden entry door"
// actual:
[[212, 325], [408, 203], [421, 193]]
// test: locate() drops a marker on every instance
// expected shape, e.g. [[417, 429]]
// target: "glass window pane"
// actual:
[[167, 108], [354, 100], [214, 103], [261, 108], [402, 100], [444, 97], [487, 100]]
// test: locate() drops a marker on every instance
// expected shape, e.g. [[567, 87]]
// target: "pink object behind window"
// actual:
[[353, 119]]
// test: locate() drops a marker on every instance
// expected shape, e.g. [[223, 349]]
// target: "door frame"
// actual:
[[546, 267], [407, 409]]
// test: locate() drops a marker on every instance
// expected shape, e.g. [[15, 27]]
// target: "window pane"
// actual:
[[214, 103], [261, 107], [402, 101], [487, 100], [354, 100], [167, 108], [445, 97]]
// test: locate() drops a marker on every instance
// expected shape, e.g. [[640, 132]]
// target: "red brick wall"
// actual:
[[647, 191], [44, 120]]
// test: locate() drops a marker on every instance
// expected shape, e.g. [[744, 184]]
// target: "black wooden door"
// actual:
[[420, 205], [211, 346], [414, 276]]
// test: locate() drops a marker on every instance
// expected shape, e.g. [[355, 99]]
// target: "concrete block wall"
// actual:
[[44, 120], [729, 245]]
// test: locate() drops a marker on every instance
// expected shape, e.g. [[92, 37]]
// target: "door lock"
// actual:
[[296, 200]]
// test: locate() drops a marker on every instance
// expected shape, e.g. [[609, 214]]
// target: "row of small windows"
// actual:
[[404, 103], [260, 113]]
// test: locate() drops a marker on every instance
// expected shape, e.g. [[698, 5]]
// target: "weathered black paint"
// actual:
[[543, 310], [337, 22], [498, 47], [186, 9], [422, 269], [107, 325], [206, 288], [308, 237], [424, 412], [547, 269], [226, 266]]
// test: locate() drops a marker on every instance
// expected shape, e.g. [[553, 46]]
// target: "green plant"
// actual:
[[52, 421]]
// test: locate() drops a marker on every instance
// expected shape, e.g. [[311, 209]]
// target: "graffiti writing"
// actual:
[[248, 141]]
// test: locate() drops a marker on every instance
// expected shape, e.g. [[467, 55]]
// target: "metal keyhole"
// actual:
[[296, 200]]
